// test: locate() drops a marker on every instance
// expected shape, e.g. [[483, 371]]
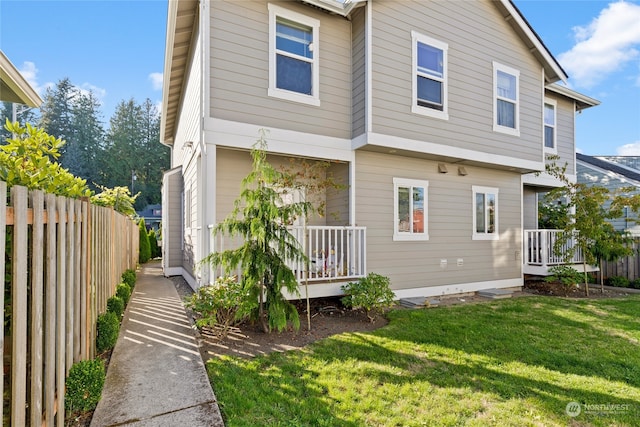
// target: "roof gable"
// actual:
[[14, 87]]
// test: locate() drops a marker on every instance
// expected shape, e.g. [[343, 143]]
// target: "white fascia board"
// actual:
[[282, 141], [426, 147], [543, 179], [17, 83], [544, 52]]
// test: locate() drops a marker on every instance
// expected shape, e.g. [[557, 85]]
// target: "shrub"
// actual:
[[129, 277], [618, 281], [108, 327], [153, 244], [115, 305], [635, 283], [123, 291], [145, 249], [221, 305], [372, 294], [568, 276], [84, 386]]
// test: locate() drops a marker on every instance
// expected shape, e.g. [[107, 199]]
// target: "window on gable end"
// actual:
[[550, 126], [410, 209], [293, 56], [506, 106], [430, 92]]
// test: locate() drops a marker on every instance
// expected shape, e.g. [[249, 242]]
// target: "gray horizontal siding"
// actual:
[[417, 263], [477, 35], [239, 74]]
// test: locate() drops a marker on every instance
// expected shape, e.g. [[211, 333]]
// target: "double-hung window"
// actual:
[[506, 82], [550, 125], [485, 213], [429, 76], [293, 56], [410, 209]]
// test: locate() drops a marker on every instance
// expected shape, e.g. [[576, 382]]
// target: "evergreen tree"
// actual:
[[260, 219], [88, 135]]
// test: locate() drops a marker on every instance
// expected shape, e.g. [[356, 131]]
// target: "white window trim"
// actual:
[[418, 109], [484, 236], [549, 150], [505, 129], [273, 91], [402, 182]]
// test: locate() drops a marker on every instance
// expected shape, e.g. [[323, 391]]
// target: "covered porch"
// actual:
[[336, 254], [543, 250]]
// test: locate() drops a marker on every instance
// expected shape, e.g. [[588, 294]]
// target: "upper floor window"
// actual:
[[485, 213], [293, 56], [507, 99], [429, 76], [410, 212], [550, 125]]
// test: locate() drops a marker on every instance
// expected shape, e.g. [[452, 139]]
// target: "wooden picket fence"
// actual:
[[628, 266], [65, 257]]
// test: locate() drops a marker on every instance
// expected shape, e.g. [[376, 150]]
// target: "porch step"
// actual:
[[418, 302], [495, 293]]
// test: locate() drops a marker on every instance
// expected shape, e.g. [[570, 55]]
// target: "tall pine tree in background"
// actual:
[[133, 155], [56, 113], [87, 141]]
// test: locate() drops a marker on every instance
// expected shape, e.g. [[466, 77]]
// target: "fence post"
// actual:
[[50, 312], [19, 307], [61, 309], [37, 293]]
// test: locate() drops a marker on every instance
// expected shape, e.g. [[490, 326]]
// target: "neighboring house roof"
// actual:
[[181, 22], [582, 101], [14, 87], [609, 166]]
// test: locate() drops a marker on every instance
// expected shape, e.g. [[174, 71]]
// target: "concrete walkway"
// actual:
[[156, 376]]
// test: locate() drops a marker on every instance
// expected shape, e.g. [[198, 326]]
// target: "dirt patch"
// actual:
[[328, 317], [538, 286]]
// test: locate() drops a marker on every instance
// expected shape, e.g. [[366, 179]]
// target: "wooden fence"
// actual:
[[628, 267], [65, 258]]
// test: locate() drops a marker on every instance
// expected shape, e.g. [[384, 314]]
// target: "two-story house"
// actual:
[[436, 115]]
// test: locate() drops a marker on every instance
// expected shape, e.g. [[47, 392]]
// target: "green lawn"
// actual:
[[515, 362]]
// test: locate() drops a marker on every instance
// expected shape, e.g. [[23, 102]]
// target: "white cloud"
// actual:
[[156, 80], [98, 92], [632, 149], [30, 73], [609, 42]]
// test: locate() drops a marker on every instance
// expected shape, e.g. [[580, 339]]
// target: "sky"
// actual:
[[116, 49]]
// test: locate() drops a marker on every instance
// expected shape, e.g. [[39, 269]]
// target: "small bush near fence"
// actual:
[[84, 386], [129, 277], [372, 294], [108, 327], [618, 281], [115, 305], [123, 291], [145, 247]]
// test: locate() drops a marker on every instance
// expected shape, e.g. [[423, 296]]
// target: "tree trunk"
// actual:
[[261, 318], [601, 276], [586, 280]]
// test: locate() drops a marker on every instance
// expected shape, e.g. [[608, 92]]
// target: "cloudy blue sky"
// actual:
[[116, 49]]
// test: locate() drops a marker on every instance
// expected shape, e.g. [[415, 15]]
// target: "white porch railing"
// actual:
[[540, 249], [334, 252]]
